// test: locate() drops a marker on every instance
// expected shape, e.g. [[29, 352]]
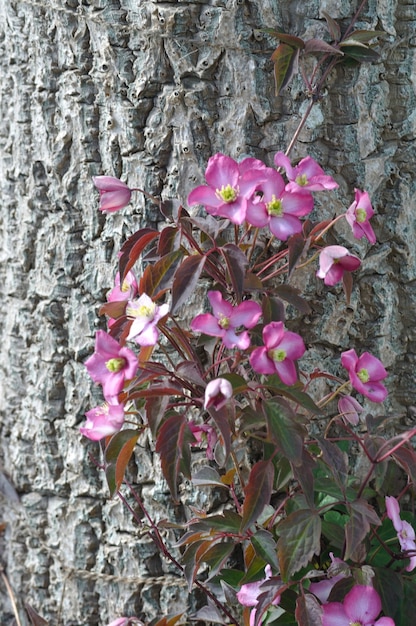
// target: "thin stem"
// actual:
[[299, 128], [11, 597]]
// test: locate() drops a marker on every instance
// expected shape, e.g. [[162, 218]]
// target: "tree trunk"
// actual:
[[147, 91]]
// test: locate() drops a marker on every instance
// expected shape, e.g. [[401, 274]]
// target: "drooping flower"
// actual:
[[114, 194], [227, 319], [228, 187], [249, 593], [277, 356], [278, 208], [333, 262], [358, 216], [217, 393], [349, 408], [405, 532], [361, 607], [336, 571], [306, 176], [102, 421], [126, 291], [146, 315], [111, 364], [365, 373], [204, 433]]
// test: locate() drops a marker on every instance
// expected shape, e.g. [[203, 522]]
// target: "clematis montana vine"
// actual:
[[103, 421], [230, 185], [227, 319], [365, 373], [114, 194], [333, 262], [405, 532], [361, 607], [306, 176], [145, 314], [249, 593], [358, 216], [111, 365], [277, 356], [217, 393]]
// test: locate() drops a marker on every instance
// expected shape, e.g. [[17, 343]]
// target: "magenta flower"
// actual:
[[111, 365], [278, 208], [127, 291], [227, 319], [229, 187], [249, 593], [125, 621], [102, 421], [365, 373], [307, 175], [361, 607], [333, 262], [405, 532], [358, 216], [205, 433], [146, 315], [114, 194], [217, 393], [277, 356], [349, 408]]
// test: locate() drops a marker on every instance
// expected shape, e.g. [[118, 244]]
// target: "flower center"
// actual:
[[356, 624], [228, 193], [361, 215], [274, 207], [144, 310], [125, 286], [224, 322], [115, 365], [363, 375], [301, 180], [277, 355]]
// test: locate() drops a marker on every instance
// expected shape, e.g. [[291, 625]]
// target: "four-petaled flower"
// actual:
[[365, 372], [349, 408], [146, 315], [281, 348], [405, 532], [278, 208], [306, 176], [358, 216], [361, 607], [249, 593], [114, 194], [217, 393], [111, 364], [227, 319], [102, 421], [333, 262], [229, 187]]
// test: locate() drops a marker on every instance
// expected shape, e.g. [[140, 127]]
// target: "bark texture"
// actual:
[[147, 91]]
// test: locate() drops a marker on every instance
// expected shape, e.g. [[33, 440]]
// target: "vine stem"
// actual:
[[11, 597]]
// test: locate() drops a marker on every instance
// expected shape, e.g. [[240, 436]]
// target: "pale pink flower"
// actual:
[[361, 607], [350, 409], [333, 262], [405, 532], [249, 593], [365, 373], [306, 176], [277, 356], [336, 571], [146, 314], [126, 291], [114, 194], [103, 421], [358, 216], [227, 319], [277, 208], [111, 365], [217, 393]]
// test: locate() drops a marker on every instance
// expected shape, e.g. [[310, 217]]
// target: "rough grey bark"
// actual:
[[147, 91]]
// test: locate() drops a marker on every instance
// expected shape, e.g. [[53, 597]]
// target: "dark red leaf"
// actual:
[[291, 295], [132, 249], [237, 264], [257, 493], [291, 40], [155, 412], [360, 53], [347, 284], [283, 429], [318, 45], [168, 241], [160, 274], [114, 310], [117, 455], [333, 27], [299, 540], [185, 280], [173, 446], [296, 247], [308, 611], [35, 619], [285, 59]]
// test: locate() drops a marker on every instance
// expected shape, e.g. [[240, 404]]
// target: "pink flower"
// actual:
[[360, 608], [333, 262], [307, 175], [111, 365], [278, 354], [405, 532], [126, 291], [358, 216], [205, 432], [102, 421], [278, 208], [365, 373], [349, 408], [114, 194], [227, 319], [336, 571], [249, 593], [125, 621], [146, 315], [217, 393], [229, 187]]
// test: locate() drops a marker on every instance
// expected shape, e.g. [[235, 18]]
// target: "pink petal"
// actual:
[[362, 604], [274, 185], [232, 340], [287, 371], [260, 362], [248, 164], [281, 160], [207, 324], [285, 226], [111, 201], [206, 196], [109, 183], [350, 262], [293, 345], [233, 211], [148, 337], [257, 214], [384, 621], [349, 359], [222, 171], [273, 334], [334, 275], [246, 314], [393, 512], [374, 367], [334, 615], [220, 307], [299, 204], [349, 408]]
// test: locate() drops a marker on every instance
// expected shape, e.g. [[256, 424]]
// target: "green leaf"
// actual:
[[228, 522], [207, 476], [283, 430], [299, 540], [362, 36], [358, 527], [308, 611], [389, 585], [336, 460], [285, 59], [265, 547], [294, 393], [173, 446], [185, 280], [217, 555], [237, 264], [257, 492], [117, 455], [360, 53]]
